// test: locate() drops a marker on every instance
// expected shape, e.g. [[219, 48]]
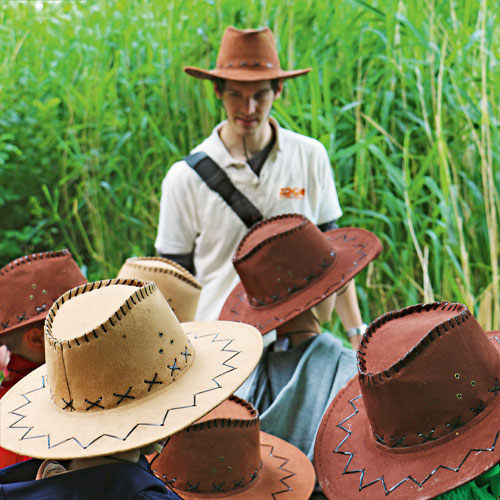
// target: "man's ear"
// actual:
[[33, 338], [217, 91], [279, 90]]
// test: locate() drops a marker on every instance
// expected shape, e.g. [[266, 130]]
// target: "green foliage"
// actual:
[[94, 107]]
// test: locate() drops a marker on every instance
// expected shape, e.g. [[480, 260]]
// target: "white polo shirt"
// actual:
[[295, 178]]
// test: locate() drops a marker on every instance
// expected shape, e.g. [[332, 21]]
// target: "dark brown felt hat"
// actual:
[[423, 415], [287, 265], [31, 284], [246, 55], [225, 455]]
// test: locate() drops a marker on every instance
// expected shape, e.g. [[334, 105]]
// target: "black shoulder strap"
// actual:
[[217, 180]]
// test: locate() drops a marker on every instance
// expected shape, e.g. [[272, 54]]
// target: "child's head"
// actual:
[[26, 342]]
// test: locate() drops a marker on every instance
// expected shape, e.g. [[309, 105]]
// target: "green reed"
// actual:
[[94, 108]]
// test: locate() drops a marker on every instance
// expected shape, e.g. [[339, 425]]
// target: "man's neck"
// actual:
[[244, 148], [299, 328]]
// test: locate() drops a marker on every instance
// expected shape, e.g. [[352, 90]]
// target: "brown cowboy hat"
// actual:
[[287, 265], [31, 284], [246, 55], [181, 289], [226, 455], [121, 372], [422, 417]]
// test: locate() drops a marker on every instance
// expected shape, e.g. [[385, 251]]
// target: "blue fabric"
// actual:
[[120, 481], [292, 389]]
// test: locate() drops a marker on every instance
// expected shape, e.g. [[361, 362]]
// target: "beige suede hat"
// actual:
[[122, 372], [180, 288]]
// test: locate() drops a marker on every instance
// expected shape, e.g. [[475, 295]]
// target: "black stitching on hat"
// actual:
[[5, 325], [455, 424], [123, 312], [94, 403], [123, 396], [41, 308], [112, 324], [238, 484], [379, 439], [173, 367], [194, 487], [253, 475], [496, 388], [479, 408], [217, 487], [398, 442], [427, 437], [152, 382], [86, 338], [117, 316], [185, 353], [23, 317], [95, 334], [133, 301], [68, 405]]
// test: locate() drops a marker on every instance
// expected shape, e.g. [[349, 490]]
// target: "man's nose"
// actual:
[[250, 106]]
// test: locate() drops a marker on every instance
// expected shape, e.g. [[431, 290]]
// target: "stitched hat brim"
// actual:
[[286, 472], [354, 248], [350, 464], [244, 74], [31, 425]]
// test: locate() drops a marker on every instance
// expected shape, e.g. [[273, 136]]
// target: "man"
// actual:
[[28, 287], [277, 171]]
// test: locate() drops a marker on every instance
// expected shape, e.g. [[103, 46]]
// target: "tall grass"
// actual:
[[94, 107]]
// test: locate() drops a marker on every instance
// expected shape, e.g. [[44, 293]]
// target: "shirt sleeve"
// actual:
[[156, 495], [178, 223], [329, 206]]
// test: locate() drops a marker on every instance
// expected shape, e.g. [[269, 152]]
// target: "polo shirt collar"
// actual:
[[216, 149]]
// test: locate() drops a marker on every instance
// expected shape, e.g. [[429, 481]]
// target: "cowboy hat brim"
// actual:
[[354, 249], [350, 464], [244, 74], [30, 424], [286, 472]]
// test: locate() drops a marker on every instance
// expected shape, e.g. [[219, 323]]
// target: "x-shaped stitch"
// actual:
[[253, 475], [170, 482], [479, 409], [21, 318], [173, 367], [185, 353], [310, 276], [496, 388], [293, 289], [276, 297], [152, 382], [217, 487], [379, 439], [324, 264], [238, 484], [455, 424], [5, 325], [123, 396], [95, 403], [68, 405], [398, 441], [193, 487], [427, 437], [41, 308]]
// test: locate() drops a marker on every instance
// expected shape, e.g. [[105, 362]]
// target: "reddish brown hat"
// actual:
[[225, 454], [246, 55], [422, 417], [31, 284], [287, 265]]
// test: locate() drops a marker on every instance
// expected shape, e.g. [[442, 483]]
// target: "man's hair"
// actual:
[[220, 83]]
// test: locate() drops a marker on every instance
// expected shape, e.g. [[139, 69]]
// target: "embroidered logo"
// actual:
[[289, 192]]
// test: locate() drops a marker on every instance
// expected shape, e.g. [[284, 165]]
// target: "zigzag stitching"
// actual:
[[49, 445], [281, 467], [350, 454]]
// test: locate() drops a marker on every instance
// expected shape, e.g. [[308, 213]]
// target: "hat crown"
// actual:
[[31, 284], [127, 345], [179, 287], [409, 404], [219, 453], [267, 258], [247, 49]]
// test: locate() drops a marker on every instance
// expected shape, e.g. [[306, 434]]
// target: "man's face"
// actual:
[[248, 105]]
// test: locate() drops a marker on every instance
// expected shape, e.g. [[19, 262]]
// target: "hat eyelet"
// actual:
[[459, 396], [457, 375], [32, 297], [44, 291], [33, 285], [473, 383]]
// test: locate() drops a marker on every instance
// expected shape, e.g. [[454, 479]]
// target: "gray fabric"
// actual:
[[305, 379]]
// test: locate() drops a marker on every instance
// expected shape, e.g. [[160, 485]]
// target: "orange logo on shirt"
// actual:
[[292, 192]]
